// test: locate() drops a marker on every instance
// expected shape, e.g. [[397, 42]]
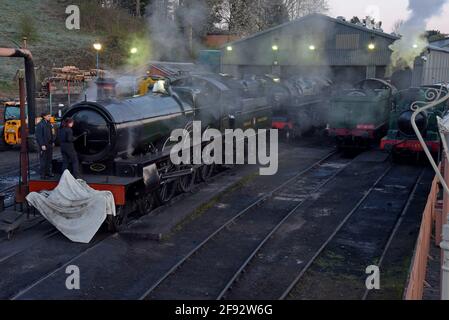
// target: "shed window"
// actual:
[[347, 41]]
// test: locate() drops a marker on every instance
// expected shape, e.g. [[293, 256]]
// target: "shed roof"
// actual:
[[315, 16], [441, 43], [437, 48]]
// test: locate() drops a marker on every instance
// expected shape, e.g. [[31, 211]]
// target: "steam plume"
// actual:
[[413, 40]]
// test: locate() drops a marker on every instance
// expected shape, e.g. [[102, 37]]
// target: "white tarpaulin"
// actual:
[[74, 208]]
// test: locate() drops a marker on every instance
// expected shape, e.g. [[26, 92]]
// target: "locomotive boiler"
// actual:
[[125, 128]]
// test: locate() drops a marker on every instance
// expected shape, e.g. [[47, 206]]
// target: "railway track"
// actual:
[[25, 289], [286, 198], [245, 264], [191, 277], [86, 249], [302, 288], [104, 235], [396, 228], [9, 190]]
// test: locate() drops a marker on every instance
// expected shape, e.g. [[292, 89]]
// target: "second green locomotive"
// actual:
[[359, 116]]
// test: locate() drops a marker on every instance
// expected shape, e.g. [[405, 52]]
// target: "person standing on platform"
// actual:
[[69, 155], [45, 140]]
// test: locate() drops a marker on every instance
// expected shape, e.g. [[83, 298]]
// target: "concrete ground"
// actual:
[[10, 165], [432, 287], [125, 265]]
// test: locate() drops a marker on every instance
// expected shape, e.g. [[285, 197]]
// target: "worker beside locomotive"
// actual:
[[46, 139]]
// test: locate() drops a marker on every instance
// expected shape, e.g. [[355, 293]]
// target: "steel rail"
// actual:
[[51, 273], [324, 245], [274, 230], [229, 222], [397, 225]]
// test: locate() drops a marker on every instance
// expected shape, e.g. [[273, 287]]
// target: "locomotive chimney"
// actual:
[[106, 89]]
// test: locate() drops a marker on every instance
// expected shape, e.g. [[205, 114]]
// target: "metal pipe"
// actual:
[[30, 79], [98, 63], [23, 135], [22, 190]]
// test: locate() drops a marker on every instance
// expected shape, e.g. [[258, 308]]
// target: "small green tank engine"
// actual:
[[401, 137]]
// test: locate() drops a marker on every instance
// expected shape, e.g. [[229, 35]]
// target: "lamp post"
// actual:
[[98, 47], [134, 51]]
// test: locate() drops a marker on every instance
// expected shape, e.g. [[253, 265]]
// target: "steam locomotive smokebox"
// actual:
[[405, 125], [106, 89]]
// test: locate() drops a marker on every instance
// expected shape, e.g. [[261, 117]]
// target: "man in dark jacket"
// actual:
[[45, 140], [69, 155]]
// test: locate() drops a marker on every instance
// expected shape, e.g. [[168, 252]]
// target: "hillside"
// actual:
[[51, 43]]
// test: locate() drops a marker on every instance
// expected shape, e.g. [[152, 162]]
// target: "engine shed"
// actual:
[[315, 44]]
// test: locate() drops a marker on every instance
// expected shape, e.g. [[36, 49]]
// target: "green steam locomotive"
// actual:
[[401, 138]]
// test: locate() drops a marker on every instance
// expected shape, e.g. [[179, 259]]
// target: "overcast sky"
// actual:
[[388, 11]]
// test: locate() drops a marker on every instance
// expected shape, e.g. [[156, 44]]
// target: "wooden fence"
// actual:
[[434, 218]]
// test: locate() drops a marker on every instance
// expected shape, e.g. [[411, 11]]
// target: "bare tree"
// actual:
[[138, 4], [245, 17], [397, 26], [299, 8]]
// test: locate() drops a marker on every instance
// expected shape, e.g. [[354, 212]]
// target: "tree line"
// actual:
[[174, 29], [241, 17]]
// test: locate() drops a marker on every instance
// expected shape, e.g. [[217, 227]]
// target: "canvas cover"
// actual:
[[74, 208]]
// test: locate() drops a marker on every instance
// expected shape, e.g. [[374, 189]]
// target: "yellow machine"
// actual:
[[11, 128], [146, 84], [11, 131]]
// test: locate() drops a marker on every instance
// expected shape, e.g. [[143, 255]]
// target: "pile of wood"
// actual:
[[66, 76], [72, 73]]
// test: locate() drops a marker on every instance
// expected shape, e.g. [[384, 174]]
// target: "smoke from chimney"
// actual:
[[413, 41]]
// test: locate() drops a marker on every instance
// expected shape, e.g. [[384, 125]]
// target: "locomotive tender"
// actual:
[[359, 116], [125, 145]]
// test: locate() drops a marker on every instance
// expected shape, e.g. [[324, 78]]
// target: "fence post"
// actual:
[[444, 231], [445, 268]]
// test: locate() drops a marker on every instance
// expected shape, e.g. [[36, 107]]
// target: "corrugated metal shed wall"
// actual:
[[335, 45], [436, 69]]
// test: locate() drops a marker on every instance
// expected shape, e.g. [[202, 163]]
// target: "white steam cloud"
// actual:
[[413, 40], [174, 30]]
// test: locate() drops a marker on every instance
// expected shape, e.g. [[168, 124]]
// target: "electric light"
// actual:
[[98, 46]]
